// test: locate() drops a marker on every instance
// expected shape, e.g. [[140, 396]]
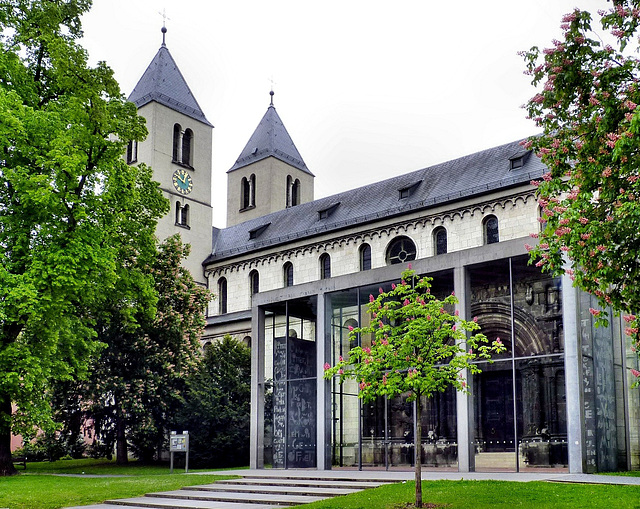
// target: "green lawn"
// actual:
[[37, 488], [490, 494]]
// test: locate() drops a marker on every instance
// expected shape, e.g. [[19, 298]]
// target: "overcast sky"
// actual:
[[366, 89]]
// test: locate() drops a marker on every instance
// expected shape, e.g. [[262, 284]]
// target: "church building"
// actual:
[[291, 274]]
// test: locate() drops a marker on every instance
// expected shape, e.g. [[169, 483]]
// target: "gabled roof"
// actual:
[[472, 175], [270, 139], [163, 83]]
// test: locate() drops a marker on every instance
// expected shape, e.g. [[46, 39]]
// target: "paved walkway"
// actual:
[[272, 489]]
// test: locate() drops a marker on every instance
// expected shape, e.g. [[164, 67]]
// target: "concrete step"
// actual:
[[318, 491], [252, 491], [281, 498], [279, 481], [163, 503]]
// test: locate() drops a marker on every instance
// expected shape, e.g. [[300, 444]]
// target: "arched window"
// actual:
[[491, 234], [248, 192], [293, 192], [222, 296], [325, 266], [365, 257], [287, 270], [440, 240], [187, 147], [177, 143], [132, 152], [401, 250], [254, 282], [184, 220]]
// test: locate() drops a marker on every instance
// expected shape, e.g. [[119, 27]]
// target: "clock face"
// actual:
[[182, 181]]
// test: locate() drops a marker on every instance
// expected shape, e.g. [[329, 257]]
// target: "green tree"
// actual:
[[587, 107], [418, 346], [139, 381], [216, 411], [68, 203]]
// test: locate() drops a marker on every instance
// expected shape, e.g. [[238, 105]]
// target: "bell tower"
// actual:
[[269, 174], [178, 149]]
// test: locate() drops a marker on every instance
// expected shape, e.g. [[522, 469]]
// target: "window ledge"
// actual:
[[184, 165], [250, 207], [185, 226]]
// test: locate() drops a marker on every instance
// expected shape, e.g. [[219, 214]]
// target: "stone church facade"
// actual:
[[291, 274]]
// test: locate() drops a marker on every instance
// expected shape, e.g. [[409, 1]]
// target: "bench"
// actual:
[[20, 460]]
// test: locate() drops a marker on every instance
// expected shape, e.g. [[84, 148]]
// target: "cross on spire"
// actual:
[[164, 24]]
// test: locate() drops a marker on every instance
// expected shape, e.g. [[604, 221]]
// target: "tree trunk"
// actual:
[[122, 457], [6, 463], [418, 452]]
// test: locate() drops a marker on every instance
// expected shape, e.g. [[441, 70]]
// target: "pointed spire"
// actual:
[[271, 139], [163, 83]]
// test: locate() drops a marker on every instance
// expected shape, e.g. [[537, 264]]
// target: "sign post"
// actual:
[[179, 443]]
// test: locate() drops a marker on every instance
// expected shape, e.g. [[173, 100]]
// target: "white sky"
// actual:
[[367, 89]]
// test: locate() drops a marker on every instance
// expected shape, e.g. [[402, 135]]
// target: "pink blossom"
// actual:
[[629, 318], [371, 299], [393, 286], [475, 319], [381, 324], [340, 358], [406, 302], [341, 371], [630, 331], [457, 313], [409, 266], [350, 328], [498, 341], [367, 350], [533, 235], [635, 372], [327, 366], [453, 328], [595, 312], [380, 291]]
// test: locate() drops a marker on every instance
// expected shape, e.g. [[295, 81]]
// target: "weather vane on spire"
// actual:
[[164, 23]]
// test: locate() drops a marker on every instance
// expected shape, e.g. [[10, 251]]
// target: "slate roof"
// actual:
[[163, 83], [471, 175], [270, 139]]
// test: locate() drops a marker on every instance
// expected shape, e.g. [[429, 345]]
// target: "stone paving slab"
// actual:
[[355, 485]]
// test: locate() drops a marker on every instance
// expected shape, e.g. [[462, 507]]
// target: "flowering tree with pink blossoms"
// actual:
[[587, 108], [418, 346]]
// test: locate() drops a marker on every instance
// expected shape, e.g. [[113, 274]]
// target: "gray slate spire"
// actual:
[[271, 139], [163, 82]]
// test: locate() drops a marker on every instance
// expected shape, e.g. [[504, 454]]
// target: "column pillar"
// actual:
[[464, 402], [322, 392], [256, 425], [573, 377]]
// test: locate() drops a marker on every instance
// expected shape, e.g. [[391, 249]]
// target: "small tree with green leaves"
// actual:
[[419, 345]]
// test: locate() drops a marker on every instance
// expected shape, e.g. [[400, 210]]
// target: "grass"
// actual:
[[490, 494], [38, 488]]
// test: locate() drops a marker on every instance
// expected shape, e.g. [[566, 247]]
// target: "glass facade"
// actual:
[[289, 385], [519, 399], [515, 415], [381, 433]]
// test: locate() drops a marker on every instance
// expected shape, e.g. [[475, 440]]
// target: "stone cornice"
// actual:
[[397, 228]]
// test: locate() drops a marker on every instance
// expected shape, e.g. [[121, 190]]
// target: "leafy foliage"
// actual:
[[216, 411], [139, 381], [68, 205], [419, 346], [588, 111]]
